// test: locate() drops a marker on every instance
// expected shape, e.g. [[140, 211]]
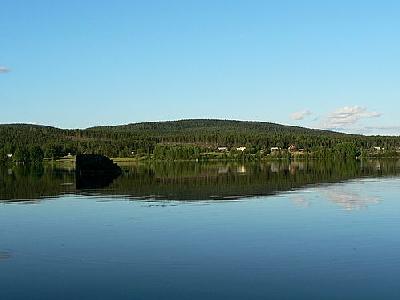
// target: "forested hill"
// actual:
[[193, 136], [212, 126]]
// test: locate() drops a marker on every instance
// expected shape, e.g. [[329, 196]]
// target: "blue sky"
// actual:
[[319, 64]]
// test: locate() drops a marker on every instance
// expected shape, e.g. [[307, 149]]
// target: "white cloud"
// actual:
[[348, 198], [300, 115], [4, 69], [382, 130], [394, 128], [347, 116]]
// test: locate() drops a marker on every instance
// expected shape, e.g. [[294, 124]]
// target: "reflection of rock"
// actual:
[[95, 171], [350, 200]]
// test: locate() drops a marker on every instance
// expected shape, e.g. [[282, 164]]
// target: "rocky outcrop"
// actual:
[[95, 171]]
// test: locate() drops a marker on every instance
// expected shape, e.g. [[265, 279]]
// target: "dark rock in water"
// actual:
[[95, 171], [95, 163]]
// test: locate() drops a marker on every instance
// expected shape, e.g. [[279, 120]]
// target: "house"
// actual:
[[222, 148], [9, 155], [378, 148], [242, 148], [292, 148], [273, 149]]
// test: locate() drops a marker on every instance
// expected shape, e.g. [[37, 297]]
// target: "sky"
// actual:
[[319, 64]]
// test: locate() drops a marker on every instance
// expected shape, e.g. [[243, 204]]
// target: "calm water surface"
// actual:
[[300, 231]]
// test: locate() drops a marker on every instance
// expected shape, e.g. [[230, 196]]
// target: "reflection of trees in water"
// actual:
[[194, 181], [204, 181], [35, 181]]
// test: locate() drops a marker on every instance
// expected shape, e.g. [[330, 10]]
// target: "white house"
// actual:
[[222, 148], [9, 155], [379, 148], [273, 149], [241, 148]]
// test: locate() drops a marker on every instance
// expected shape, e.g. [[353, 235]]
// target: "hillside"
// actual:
[[210, 125], [195, 136]]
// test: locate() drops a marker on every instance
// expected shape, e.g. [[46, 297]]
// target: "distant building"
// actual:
[[378, 148], [241, 148], [9, 155], [273, 149], [222, 148], [292, 148]]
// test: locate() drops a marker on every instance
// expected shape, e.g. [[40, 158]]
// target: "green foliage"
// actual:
[[345, 151], [3, 156], [189, 139], [36, 154], [194, 180], [177, 152], [22, 155], [54, 151]]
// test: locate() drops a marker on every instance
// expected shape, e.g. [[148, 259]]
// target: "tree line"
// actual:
[[185, 139]]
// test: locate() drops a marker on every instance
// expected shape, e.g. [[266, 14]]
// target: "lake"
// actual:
[[277, 230]]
